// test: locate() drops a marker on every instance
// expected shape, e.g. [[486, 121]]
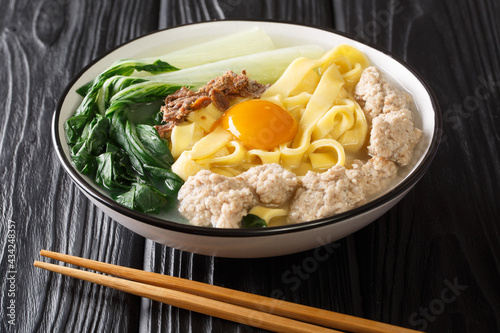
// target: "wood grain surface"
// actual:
[[430, 263]]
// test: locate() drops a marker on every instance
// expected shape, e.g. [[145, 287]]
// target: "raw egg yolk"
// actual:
[[259, 124]]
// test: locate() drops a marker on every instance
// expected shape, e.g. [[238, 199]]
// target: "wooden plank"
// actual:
[[429, 242], [43, 44], [179, 12]]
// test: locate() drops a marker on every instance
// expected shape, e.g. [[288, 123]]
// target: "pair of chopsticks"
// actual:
[[245, 308]]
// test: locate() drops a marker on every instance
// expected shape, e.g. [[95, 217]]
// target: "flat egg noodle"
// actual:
[[236, 157], [344, 121], [210, 143], [322, 160], [322, 99], [353, 139], [183, 137], [263, 156], [268, 213], [335, 122]]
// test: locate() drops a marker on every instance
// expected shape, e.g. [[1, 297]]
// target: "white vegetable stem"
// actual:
[[241, 43], [264, 67]]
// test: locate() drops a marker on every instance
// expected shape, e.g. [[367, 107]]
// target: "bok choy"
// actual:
[[264, 67], [87, 109], [131, 161]]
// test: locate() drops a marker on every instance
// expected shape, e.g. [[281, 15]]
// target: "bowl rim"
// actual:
[[403, 186]]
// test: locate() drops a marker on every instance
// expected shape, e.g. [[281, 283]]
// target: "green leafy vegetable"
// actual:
[[129, 160], [139, 148], [141, 197], [91, 143], [113, 169], [165, 180], [251, 221], [87, 109], [143, 92], [118, 135], [113, 86], [157, 147], [83, 90]]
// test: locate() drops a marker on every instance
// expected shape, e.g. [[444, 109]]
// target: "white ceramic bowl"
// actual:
[[253, 243]]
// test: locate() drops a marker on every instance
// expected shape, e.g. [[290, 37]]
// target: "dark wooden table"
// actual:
[[431, 263]]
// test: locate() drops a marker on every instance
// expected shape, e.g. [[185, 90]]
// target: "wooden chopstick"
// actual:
[[191, 302], [233, 305]]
